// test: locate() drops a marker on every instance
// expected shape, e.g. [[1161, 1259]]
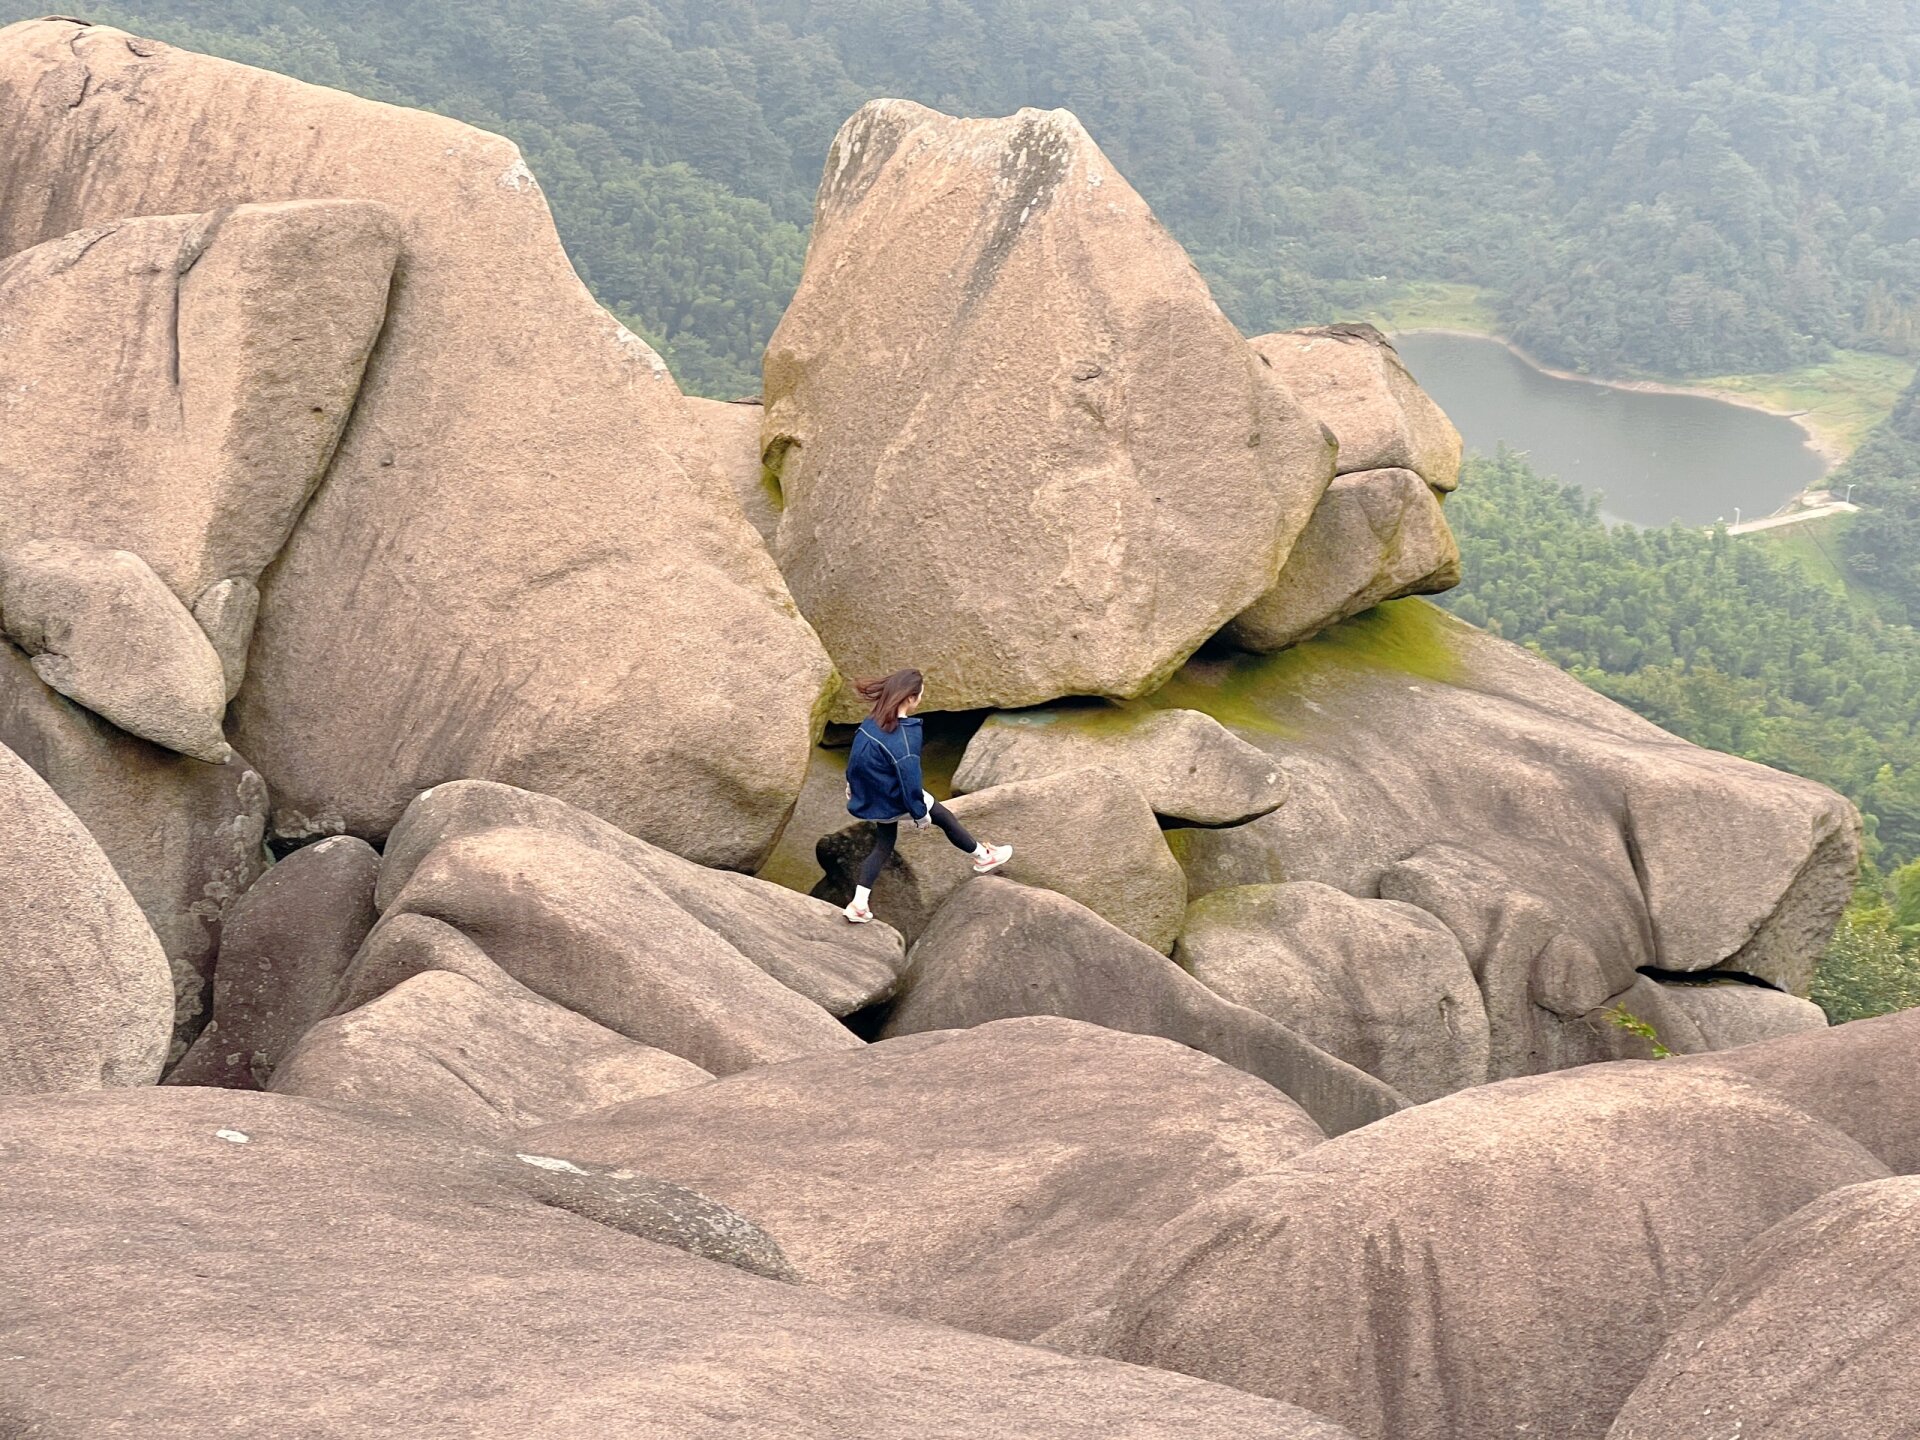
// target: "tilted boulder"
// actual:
[[733, 432], [1382, 985], [1857, 1077], [1557, 995], [451, 1283], [1811, 1333], [287, 944], [404, 945], [1188, 765], [591, 933], [482, 1061], [183, 836], [997, 1179], [215, 356], [1017, 443], [519, 481], [803, 943], [1524, 1249], [85, 996], [104, 631], [1567, 843], [998, 949], [1376, 535], [1085, 833], [1731, 1013], [1349, 377]]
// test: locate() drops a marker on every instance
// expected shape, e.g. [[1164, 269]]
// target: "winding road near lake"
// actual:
[[1651, 457]]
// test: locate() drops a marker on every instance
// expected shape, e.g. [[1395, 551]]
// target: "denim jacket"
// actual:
[[883, 772]]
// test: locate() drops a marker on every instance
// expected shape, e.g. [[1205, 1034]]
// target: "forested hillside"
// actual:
[[1729, 645], [1673, 186]]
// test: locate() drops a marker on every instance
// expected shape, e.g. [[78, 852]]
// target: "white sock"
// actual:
[[983, 851], [860, 894]]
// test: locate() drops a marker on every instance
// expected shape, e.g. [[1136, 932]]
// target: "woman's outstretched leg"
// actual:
[[951, 827], [986, 858]]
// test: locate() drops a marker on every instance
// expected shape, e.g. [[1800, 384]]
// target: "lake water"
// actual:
[[1651, 458]]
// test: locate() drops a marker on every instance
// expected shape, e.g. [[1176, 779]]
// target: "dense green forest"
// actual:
[[1730, 645], [1670, 186], [1883, 545]]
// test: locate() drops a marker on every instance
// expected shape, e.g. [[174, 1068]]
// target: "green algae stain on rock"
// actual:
[[1268, 695]]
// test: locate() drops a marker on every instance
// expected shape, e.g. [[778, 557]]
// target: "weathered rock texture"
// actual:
[[85, 997], [286, 946], [1382, 985], [1000, 949], [1376, 535], [1729, 1013], [444, 1050], [996, 1179], [1811, 1333], [1085, 833], [1019, 445], [803, 943], [1505, 1261], [590, 932], [215, 356], [402, 946], [1349, 377], [1857, 1077], [733, 432], [183, 836], [1188, 765], [1566, 843], [519, 484], [457, 1295], [104, 631]]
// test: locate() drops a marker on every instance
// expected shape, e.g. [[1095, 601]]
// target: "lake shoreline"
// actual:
[[1830, 450]]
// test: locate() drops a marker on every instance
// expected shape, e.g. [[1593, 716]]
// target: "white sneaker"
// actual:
[[996, 856], [857, 913]]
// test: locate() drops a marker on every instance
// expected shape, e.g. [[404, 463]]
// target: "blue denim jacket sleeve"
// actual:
[[913, 789]]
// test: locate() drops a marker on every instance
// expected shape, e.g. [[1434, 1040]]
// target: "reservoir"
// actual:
[[1651, 458]]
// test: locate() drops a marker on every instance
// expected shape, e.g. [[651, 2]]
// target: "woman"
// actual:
[[883, 784]]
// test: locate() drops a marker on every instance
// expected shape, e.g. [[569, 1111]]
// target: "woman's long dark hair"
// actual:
[[888, 695]]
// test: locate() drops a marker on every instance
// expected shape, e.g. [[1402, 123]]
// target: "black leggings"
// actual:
[[889, 834]]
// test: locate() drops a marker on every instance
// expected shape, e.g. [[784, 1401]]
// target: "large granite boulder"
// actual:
[[1381, 984], [1811, 1333], [1505, 1261], [216, 356], [1731, 1013], [805, 944], [1376, 535], [287, 945], [589, 932], [1349, 377], [1086, 833], [997, 1179], [1567, 843], [182, 835], [1188, 765], [1017, 443], [85, 995], [356, 1277], [104, 630], [1000, 949], [1857, 1077], [733, 432], [478, 1060], [519, 479], [404, 945]]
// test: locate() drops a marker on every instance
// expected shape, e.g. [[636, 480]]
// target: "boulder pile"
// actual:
[[425, 1002]]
